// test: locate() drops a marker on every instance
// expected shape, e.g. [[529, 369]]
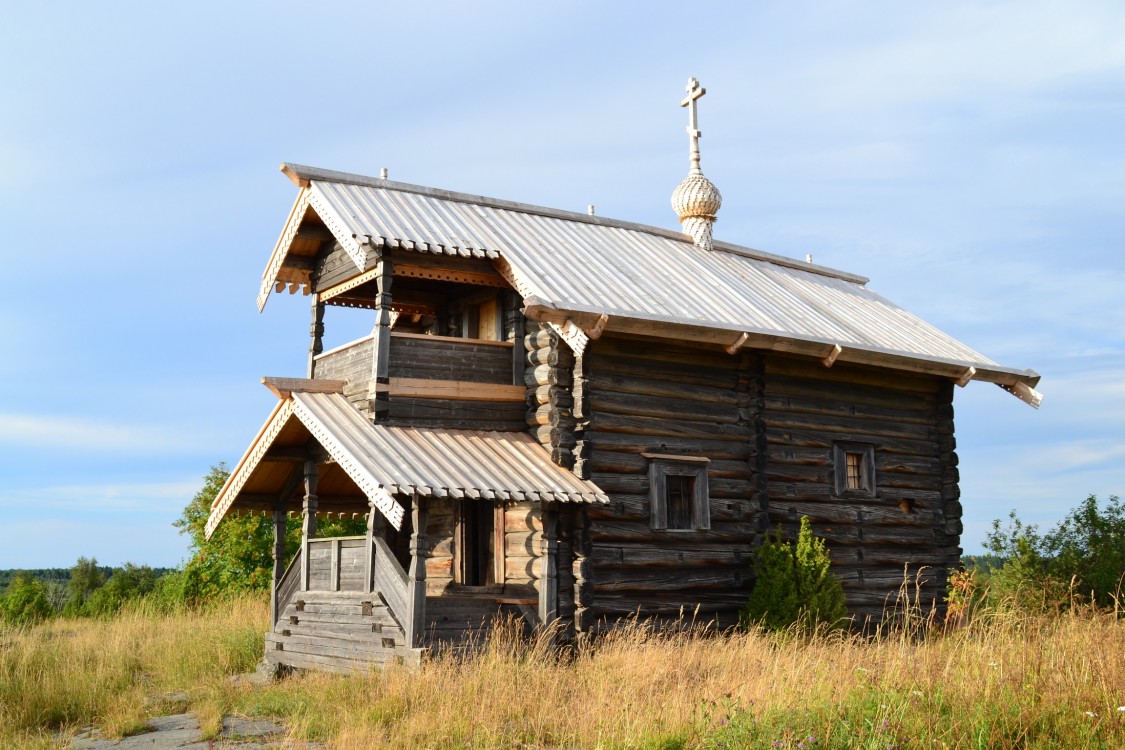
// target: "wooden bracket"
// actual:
[[284, 387], [1025, 393], [738, 343], [595, 331], [833, 355], [965, 377]]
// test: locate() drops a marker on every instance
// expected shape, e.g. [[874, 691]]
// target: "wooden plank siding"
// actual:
[[435, 358]]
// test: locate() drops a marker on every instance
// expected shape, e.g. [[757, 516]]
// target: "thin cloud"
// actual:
[[153, 497], [40, 430]]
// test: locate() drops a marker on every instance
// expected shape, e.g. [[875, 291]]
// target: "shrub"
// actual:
[[794, 585], [1087, 548], [25, 602], [127, 583], [85, 578]]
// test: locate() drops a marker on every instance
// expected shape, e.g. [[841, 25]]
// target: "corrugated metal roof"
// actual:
[[574, 262], [506, 466]]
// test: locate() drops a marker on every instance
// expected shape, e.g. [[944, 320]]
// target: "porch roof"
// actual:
[[370, 461]]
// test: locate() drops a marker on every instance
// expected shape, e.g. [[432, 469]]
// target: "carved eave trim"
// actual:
[[352, 466], [246, 465], [573, 335], [355, 246], [281, 249]]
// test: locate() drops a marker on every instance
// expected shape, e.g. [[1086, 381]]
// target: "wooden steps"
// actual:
[[338, 631]]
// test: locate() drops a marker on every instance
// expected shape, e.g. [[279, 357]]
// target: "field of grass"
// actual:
[[1005, 681]]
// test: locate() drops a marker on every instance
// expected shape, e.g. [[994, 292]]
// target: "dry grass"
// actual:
[[70, 673], [1009, 681]]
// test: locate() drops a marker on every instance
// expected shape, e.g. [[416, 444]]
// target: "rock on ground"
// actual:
[[181, 732]]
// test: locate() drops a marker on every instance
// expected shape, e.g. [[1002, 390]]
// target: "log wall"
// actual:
[[649, 396], [913, 519]]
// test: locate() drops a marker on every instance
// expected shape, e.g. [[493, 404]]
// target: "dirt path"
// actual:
[[181, 731]]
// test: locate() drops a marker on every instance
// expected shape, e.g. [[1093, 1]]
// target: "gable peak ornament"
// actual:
[[696, 200]]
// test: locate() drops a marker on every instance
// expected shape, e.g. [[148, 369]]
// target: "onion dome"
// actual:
[[696, 200]]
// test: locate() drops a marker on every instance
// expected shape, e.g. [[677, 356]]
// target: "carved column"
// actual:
[[415, 623], [316, 331], [378, 391], [549, 583], [308, 521]]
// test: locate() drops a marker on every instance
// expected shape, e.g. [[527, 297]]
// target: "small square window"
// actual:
[[854, 469], [678, 494], [856, 479]]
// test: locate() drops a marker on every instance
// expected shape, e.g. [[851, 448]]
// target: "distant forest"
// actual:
[[59, 575]]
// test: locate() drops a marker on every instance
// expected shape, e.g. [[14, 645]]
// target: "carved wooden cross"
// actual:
[[694, 92]]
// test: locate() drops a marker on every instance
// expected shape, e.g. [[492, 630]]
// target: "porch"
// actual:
[[346, 604], [462, 527]]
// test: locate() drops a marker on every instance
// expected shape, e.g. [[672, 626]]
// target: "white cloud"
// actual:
[[38, 430], [165, 498]]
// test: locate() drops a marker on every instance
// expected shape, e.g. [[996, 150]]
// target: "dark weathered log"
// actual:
[[668, 371], [611, 530], [547, 375], [846, 512], [655, 555], [549, 415], [712, 449], [662, 579], [840, 533], [639, 386], [556, 357], [873, 430], [539, 339], [785, 436], [778, 366], [550, 394], [842, 407], [683, 426], [553, 436], [669, 408], [658, 350]]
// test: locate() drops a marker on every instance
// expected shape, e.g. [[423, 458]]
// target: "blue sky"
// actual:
[[967, 157]]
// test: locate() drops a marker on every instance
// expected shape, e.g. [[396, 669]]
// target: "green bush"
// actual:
[[127, 583], [239, 554], [85, 578], [1084, 554], [25, 602], [794, 586]]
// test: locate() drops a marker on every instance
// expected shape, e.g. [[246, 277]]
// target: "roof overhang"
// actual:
[[592, 323], [371, 464]]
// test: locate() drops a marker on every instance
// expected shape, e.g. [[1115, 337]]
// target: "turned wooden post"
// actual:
[[549, 584], [278, 554], [378, 391], [308, 521], [415, 623], [316, 331]]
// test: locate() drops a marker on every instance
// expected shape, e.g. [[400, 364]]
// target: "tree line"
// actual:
[[1081, 559]]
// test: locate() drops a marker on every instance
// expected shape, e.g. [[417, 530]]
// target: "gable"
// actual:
[[597, 272]]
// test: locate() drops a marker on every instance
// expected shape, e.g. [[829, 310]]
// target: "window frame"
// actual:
[[660, 467], [840, 453]]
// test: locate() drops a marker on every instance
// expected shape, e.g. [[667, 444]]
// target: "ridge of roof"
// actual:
[[302, 176]]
